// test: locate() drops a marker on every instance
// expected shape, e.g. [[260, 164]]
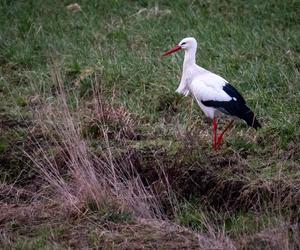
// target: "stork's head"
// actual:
[[187, 44]]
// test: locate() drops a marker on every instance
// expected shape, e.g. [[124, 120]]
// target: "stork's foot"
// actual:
[[219, 142], [216, 146], [220, 137]]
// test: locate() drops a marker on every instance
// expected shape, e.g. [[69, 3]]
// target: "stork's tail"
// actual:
[[250, 118]]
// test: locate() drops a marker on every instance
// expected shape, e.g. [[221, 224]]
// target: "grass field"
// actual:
[[98, 151]]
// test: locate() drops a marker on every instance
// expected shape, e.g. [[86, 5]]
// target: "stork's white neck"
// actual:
[[189, 66], [189, 58]]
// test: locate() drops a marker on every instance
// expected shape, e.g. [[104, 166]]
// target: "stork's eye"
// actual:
[[183, 43]]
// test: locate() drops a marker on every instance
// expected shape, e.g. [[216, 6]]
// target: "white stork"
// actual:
[[214, 94]]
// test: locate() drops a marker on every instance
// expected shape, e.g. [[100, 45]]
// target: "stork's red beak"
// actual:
[[176, 48]]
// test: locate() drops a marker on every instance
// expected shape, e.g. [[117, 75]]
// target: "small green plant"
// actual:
[[3, 145], [193, 217]]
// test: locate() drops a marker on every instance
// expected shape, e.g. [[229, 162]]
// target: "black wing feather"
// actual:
[[231, 91], [235, 107]]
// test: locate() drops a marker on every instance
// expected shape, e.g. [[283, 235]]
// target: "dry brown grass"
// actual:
[[285, 237], [89, 179], [154, 234], [103, 118], [89, 231]]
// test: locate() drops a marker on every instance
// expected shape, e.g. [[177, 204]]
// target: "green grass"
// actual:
[[235, 225], [254, 46], [116, 47]]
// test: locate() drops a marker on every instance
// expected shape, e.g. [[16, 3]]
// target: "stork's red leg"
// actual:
[[215, 127], [220, 138]]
